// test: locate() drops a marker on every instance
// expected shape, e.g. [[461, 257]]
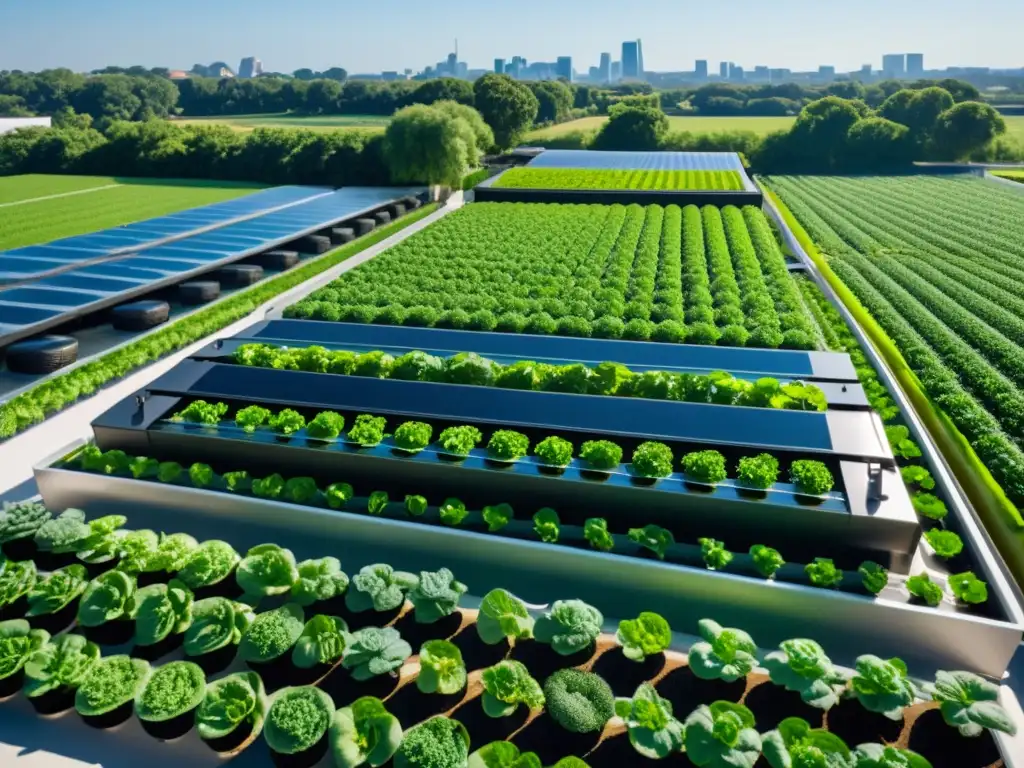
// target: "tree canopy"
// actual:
[[508, 106]]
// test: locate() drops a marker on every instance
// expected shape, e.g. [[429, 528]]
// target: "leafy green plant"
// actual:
[[298, 719], [601, 454], [503, 616], [795, 743], [209, 563], [569, 627], [374, 651], [969, 703], [418, 366], [923, 588], [416, 506], [882, 756], [113, 681], [21, 520], [172, 690], [883, 686], [138, 550], [301, 490], [201, 412], [706, 467], [767, 560], [16, 580], [435, 595], [216, 623], [110, 596], [379, 588], [652, 460], [367, 431], [251, 418], [322, 642], [162, 610], [507, 685], [927, 505], [440, 742], [811, 477], [595, 531], [918, 477], [338, 495], [580, 702], [647, 635], [546, 525], [169, 472], [459, 441], [653, 731], [18, 641], [143, 468], [653, 537], [231, 702], [968, 588], [498, 516], [453, 512], [62, 662], [61, 534], [716, 556], [319, 580], [442, 669], [722, 654], [902, 445], [503, 754], [507, 445], [377, 502], [373, 365], [364, 733], [413, 436], [268, 487], [759, 472], [202, 475], [873, 576], [803, 667], [272, 633], [722, 736], [554, 452], [327, 425], [823, 573], [57, 591], [267, 570], [287, 422], [946, 544], [237, 482]]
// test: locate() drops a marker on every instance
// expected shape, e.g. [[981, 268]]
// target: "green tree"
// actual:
[[822, 128], [632, 128], [13, 106], [846, 89], [66, 117], [107, 98], [964, 128], [443, 89], [429, 145], [482, 133], [323, 97], [878, 144], [509, 107], [554, 99], [960, 90]]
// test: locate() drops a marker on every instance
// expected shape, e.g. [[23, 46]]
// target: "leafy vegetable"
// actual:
[[453, 512], [201, 412], [498, 516], [503, 616], [767, 560], [287, 422], [418, 366], [459, 441], [927, 505], [470, 368], [823, 573], [267, 570], [230, 702], [298, 719], [546, 525], [653, 731], [801, 666], [554, 452], [61, 534], [918, 476], [16, 580], [202, 475], [507, 685], [923, 588], [874, 577], [327, 425], [601, 454], [796, 744], [322, 642], [62, 662], [722, 736], [162, 610], [416, 506], [108, 597], [722, 654], [716, 556], [507, 445], [373, 651], [272, 633], [172, 690], [503, 754], [216, 623], [644, 636], [442, 669], [705, 467], [143, 468], [413, 436], [580, 702], [883, 686], [364, 733], [18, 641], [113, 681], [374, 365], [378, 587], [269, 487], [208, 564], [946, 544], [881, 756], [595, 531], [367, 430], [438, 743], [968, 588], [435, 595], [320, 579], [252, 418], [811, 477], [654, 538], [57, 591], [652, 460], [238, 482], [761, 471], [902, 445], [969, 703], [338, 495], [21, 520], [569, 627]]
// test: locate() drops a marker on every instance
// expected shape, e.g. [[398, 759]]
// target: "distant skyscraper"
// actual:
[[866, 71], [640, 58], [915, 64], [826, 72], [616, 72], [724, 70], [462, 69], [762, 73], [499, 66], [735, 73], [453, 64], [606, 68], [631, 60], [563, 68], [894, 65], [250, 67], [700, 69]]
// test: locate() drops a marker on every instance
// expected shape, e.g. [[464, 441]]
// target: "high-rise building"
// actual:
[[631, 60], [894, 65], [250, 67], [826, 72], [499, 66], [915, 64], [724, 70], [606, 68], [563, 68], [735, 73], [452, 64], [700, 69], [462, 70], [640, 58], [762, 74], [516, 67], [594, 75], [866, 71], [616, 72]]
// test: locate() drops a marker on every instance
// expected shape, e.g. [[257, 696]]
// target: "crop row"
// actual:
[[906, 262], [307, 668], [579, 178], [604, 379], [63, 390], [711, 276]]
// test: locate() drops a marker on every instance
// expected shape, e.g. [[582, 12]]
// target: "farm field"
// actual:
[[759, 125], [577, 178], [39, 221], [21, 189], [374, 123], [703, 276], [939, 263], [1012, 175]]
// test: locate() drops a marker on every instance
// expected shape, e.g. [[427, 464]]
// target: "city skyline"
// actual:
[[316, 34]]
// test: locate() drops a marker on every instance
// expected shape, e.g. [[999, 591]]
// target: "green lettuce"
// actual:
[[172, 690], [18, 641], [57, 591], [229, 702], [162, 610], [322, 642], [216, 623], [108, 597], [364, 733], [298, 719], [267, 570], [63, 662]]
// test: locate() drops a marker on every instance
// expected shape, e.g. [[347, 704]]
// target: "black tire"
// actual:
[[411, 203], [382, 218], [364, 226], [280, 260], [241, 274], [342, 235], [397, 210], [140, 315], [44, 354], [198, 292], [314, 244]]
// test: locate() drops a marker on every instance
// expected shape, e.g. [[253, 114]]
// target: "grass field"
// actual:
[[1012, 175], [759, 125], [1015, 126], [32, 221], [373, 123]]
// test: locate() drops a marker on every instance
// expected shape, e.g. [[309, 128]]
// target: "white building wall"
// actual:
[[8, 124]]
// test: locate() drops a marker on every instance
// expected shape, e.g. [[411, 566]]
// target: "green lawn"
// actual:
[[1015, 126], [28, 187], [131, 200], [374, 123], [759, 125], [1012, 175]]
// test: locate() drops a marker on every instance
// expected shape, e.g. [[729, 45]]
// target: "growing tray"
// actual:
[[847, 625]]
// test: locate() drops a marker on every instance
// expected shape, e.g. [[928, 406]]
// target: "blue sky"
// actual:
[[372, 35]]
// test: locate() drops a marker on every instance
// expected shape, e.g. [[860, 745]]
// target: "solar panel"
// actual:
[[43, 303], [641, 161]]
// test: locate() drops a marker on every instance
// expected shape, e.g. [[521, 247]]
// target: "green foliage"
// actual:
[[796, 743], [298, 719], [459, 441], [113, 681], [595, 531], [438, 743], [319, 580], [874, 577], [644, 636], [823, 573], [287, 422], [580, 702], [760, 472], [554, 452], [436, 595], [601, 454], [62, 662], [267, 570], [507, 105], [705, 467], [632, 128], [162, 610], [378, 587], [364, 733], [503, 616], [229, 702], [252, 418], [716, 556], [377, 502], [434, 145], [373, 651], [803, 667], [883, 686], [546, 525], [652, 537], [57, 590], [110, 596], [367, 430], [968, 588], [416, 506], [453, 512], [442, 669], [811, 477], [767, 560], [652, 460], [722, 654], [201, 412], [927, 505], [507, 445], [503, 754], [946, 544], [322, 642], [918, 477], [653, 731], [413, 436], [338, 495], [18, 641], [569, 627], [172, 690], [326, 426], [923, 588], [507, 685], [216, 623], [498, 516], [902, 445], [722, 736], [21, 520], [881, 756], [272, 633], [969, 703]]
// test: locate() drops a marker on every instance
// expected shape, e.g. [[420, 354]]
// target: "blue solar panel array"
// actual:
[[31, 308], [642, 161], [33, 261]]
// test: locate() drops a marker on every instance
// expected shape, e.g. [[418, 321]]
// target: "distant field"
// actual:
[[1015, 126], [1013, 175], [321, 123], [31, 221], [759, 125], [580, 178]]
